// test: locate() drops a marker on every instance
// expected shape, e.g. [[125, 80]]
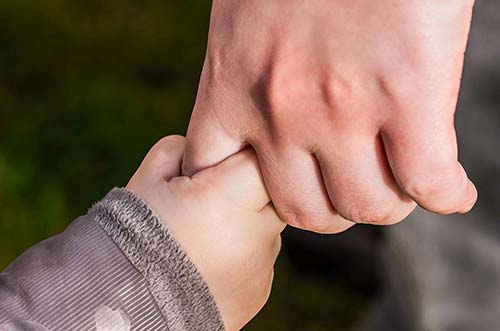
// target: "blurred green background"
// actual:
[[86, 87]]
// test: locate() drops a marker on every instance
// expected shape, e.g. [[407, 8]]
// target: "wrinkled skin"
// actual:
[[349, 105]]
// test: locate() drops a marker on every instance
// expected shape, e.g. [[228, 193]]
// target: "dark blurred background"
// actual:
[[86, 87]]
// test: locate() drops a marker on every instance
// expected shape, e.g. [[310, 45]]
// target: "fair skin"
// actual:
[[222, 218], [349, 105]]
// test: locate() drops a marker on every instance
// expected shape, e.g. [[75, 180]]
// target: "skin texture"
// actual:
[[349, 105], [223, 220]]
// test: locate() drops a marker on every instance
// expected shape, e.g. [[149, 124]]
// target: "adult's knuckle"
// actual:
[[280, 94], [311, 221], [432, 187], [370, 213], [437, 194]]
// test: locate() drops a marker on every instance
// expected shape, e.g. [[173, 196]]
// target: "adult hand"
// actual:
[[349, 105]]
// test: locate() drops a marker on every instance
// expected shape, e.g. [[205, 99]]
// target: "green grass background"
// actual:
[[86, 87]]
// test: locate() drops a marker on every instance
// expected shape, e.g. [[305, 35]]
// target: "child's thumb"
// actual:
[[162, 162]]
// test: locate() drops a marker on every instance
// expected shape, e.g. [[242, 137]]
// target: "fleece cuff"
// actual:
[[178, 288]]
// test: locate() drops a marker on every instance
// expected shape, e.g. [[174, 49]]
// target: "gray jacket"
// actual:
[[115, 269]]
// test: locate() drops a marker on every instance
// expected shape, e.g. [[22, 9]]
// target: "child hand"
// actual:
[[223, 219]]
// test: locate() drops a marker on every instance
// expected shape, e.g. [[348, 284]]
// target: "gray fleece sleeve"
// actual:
[[115, 269]]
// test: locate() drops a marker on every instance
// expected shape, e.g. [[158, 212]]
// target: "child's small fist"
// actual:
[[222, 218]]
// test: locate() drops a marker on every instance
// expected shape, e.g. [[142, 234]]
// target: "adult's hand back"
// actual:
[[349, 105]]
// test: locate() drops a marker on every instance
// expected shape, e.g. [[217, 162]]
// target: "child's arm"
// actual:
[[120, 268]]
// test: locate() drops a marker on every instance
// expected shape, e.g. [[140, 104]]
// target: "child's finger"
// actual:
[[239, 178]]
